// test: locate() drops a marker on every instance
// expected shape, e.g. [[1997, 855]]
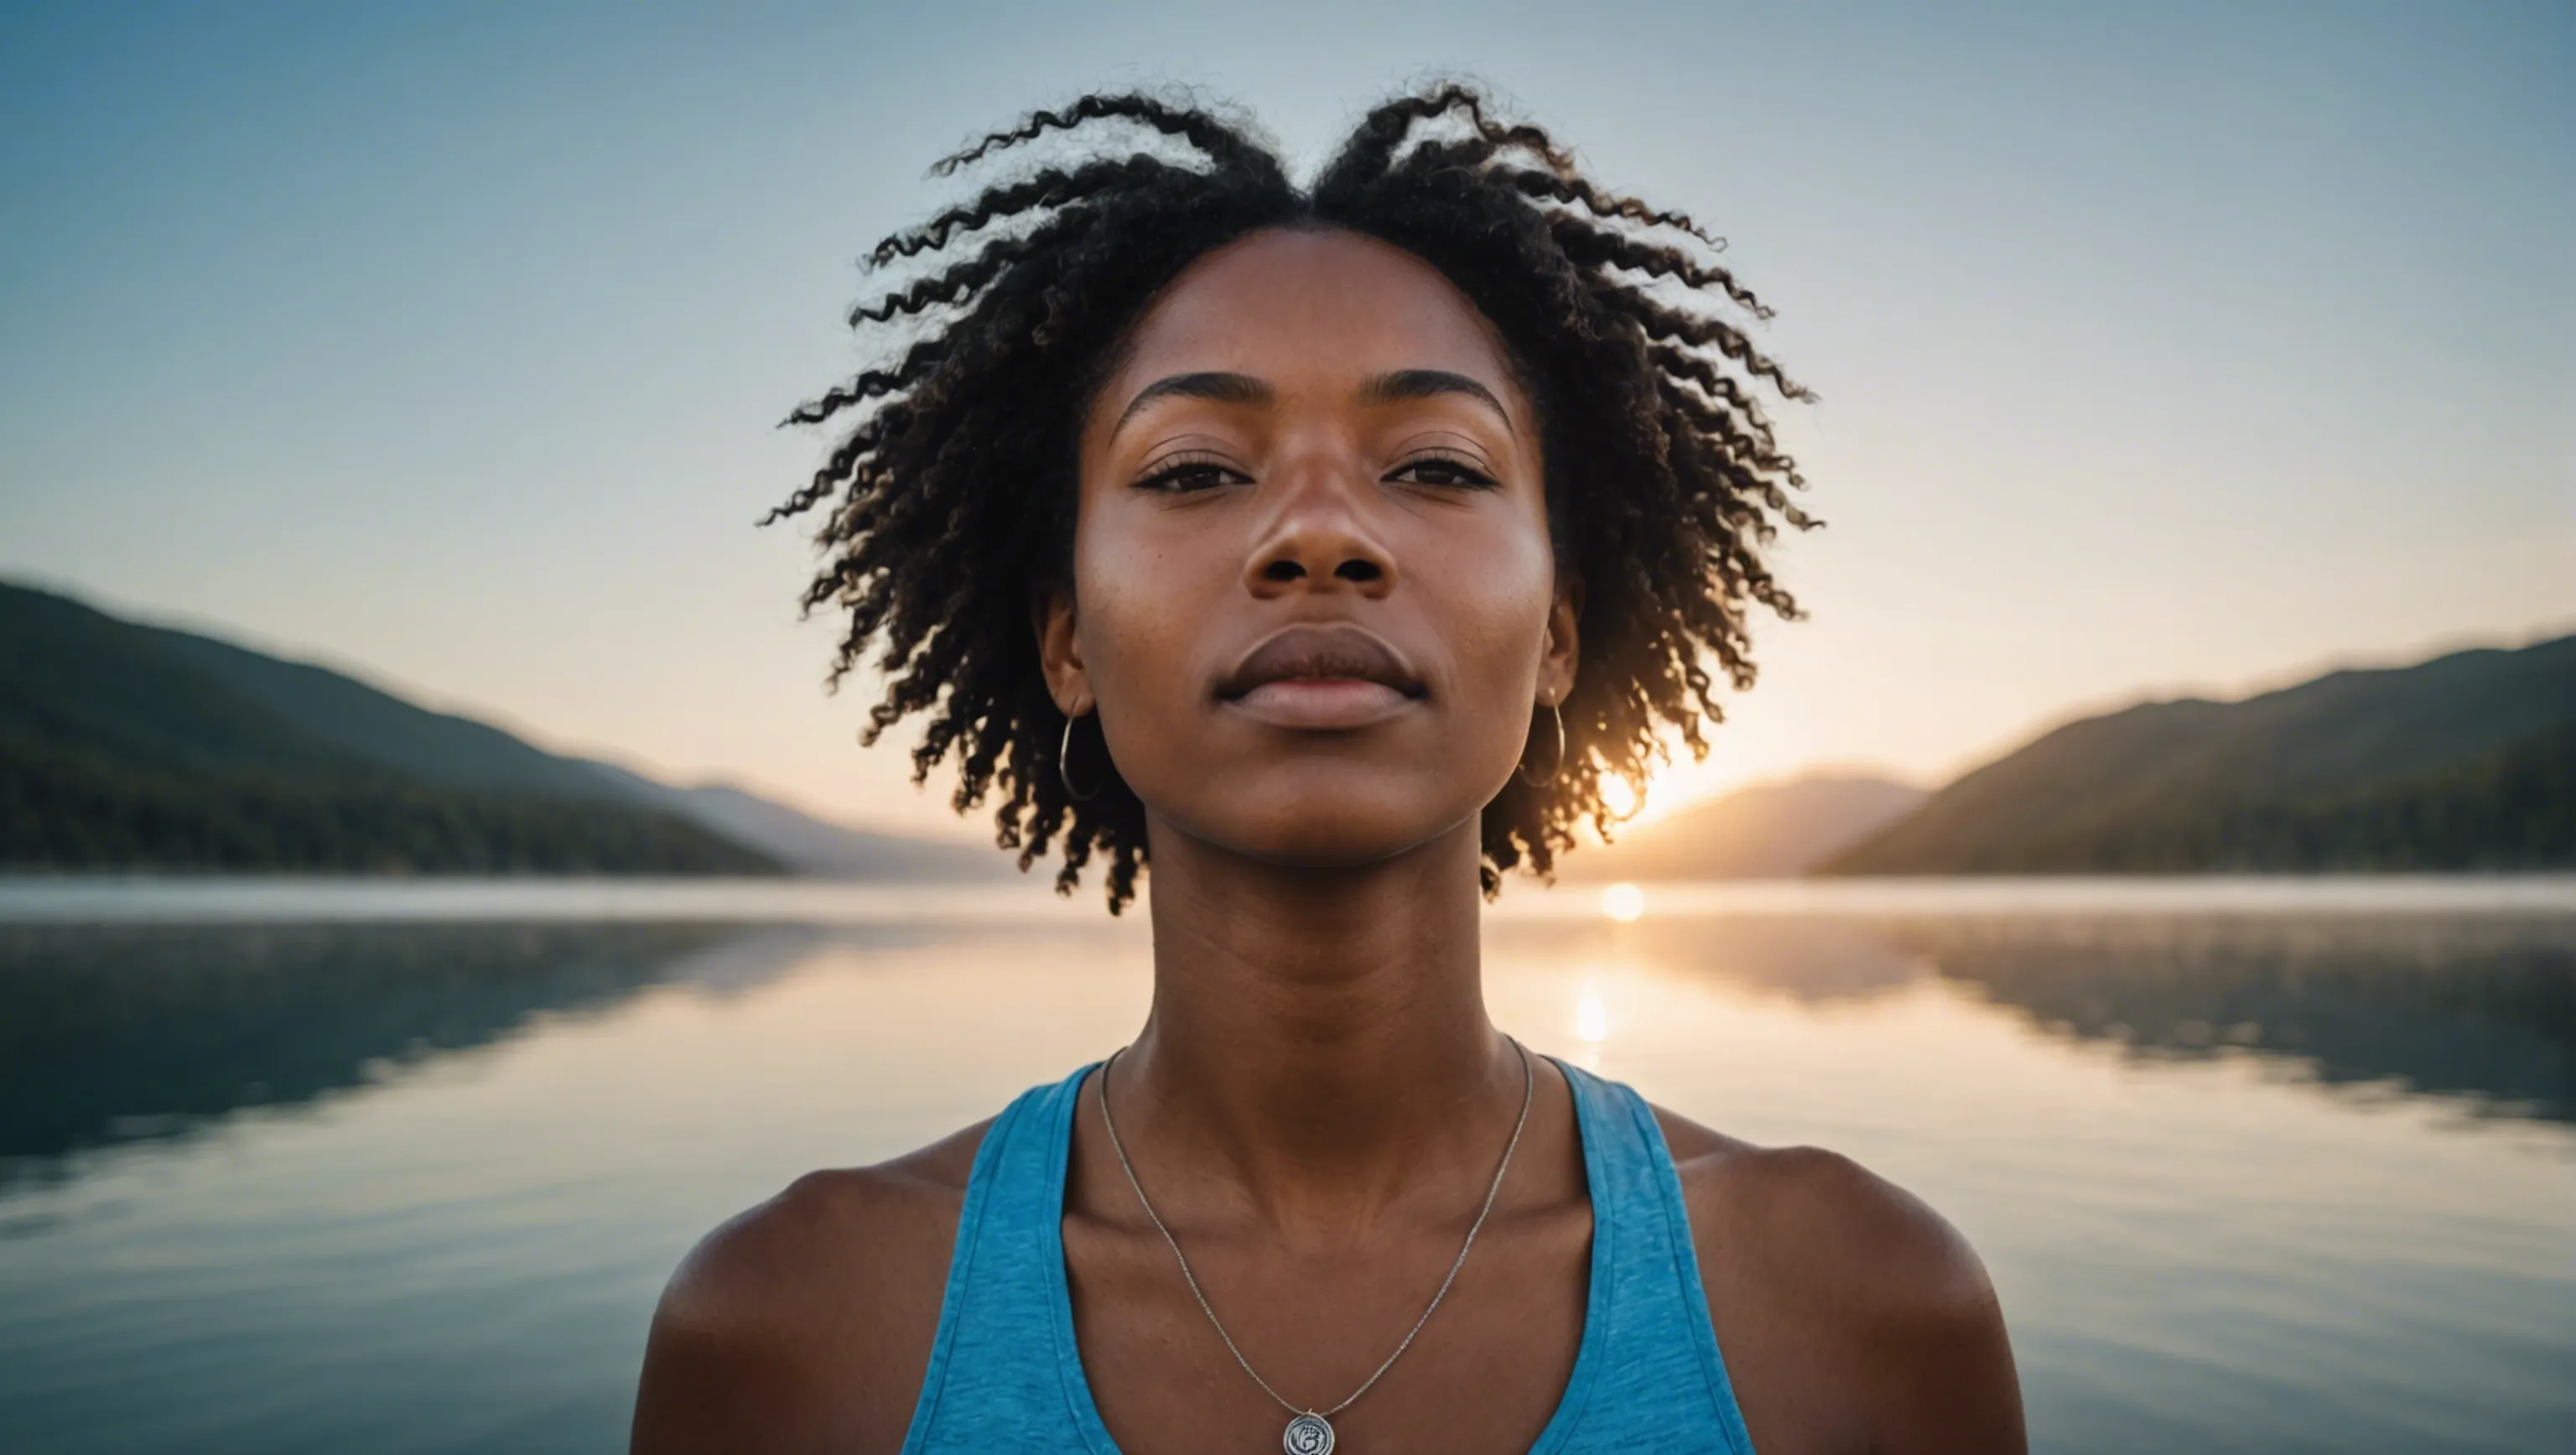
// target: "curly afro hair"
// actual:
[[950, 501]]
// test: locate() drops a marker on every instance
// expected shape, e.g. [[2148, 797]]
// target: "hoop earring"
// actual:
[[1064, 768], [1556, 764]]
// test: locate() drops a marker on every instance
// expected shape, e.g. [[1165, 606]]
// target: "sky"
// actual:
[[2162, 349]]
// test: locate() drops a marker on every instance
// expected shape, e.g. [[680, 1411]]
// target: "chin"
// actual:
[[1342, 832], [1333, 846]]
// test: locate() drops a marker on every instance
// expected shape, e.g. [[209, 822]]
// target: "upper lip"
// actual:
[[1307, 651]]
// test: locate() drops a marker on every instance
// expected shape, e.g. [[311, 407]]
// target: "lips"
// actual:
[[1322, 679], [1321, 655]]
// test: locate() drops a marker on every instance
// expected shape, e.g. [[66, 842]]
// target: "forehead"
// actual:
[[1306, 305]]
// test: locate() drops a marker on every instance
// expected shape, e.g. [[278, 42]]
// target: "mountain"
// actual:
[[2465, 762], [121, 747], [132, 746], [809, 845], [362, 722], [1770, 831], [460, 752]]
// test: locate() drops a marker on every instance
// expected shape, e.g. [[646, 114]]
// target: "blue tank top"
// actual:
[[1005, 1375]]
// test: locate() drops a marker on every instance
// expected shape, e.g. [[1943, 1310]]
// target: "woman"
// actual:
[[1327, 549]]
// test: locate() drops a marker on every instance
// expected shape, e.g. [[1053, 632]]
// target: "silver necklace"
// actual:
[[1310, 1431]]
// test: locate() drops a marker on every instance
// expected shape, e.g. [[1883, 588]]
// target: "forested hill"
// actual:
[[1769, 830], [2465, 762], [133, 747]]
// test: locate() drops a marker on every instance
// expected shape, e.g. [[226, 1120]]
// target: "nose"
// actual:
[[1319, 538]]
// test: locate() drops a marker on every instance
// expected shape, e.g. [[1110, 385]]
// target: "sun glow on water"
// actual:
[[1591, 1018], [1623, 902], [1982, 1056]]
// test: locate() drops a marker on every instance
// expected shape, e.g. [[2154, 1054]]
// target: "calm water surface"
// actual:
[[300, 1168]]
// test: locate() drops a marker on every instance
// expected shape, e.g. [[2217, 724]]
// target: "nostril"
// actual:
[[1282, 570], [1358, 570]]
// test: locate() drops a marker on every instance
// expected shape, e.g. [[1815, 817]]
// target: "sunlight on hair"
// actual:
[[1623, 902], [1679, 781], [1619, 797], [995, 306]]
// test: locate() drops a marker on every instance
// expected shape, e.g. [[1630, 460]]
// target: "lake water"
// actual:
[[2256, 1166]]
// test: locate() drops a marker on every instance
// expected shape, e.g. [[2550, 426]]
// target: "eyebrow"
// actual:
[[1223, 388], [1389, 388], [1406, 384]]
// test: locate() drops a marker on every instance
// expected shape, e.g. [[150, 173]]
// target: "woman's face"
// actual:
[[1313, 596]]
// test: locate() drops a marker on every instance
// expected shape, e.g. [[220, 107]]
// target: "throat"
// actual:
[[1318, 1036]]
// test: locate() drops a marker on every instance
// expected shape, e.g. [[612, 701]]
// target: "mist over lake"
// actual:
[[2256, 1165]]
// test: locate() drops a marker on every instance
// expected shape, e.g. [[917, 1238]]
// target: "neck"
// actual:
[[1321, 1034]]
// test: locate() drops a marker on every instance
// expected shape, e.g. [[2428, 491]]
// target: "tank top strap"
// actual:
[[996, 1381], [1648, 1378], [1004, 1374]]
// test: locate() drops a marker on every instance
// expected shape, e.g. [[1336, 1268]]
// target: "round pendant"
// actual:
[[1308, 1434]]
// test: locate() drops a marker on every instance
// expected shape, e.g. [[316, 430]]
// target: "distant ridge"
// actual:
[[2464, 762], [809, 845], [125, 746], [130, 746], [1772, 830]]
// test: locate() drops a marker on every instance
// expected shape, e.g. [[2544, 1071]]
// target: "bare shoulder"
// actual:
[[793, 1261], [1884, 1310], [805, 1323], [1826, 1222]]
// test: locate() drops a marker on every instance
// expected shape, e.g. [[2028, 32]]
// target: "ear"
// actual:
[[1060, 649], [1561, 653]]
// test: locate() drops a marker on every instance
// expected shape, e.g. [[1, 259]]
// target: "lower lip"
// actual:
[[1321, 702]]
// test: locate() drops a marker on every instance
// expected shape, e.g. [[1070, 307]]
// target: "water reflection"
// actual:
[[2482, 1008], [500, 1137], [122, 1033], [2475, 1006], [1815, 960]]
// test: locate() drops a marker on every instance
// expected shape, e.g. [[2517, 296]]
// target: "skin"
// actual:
[[1317, 1099]]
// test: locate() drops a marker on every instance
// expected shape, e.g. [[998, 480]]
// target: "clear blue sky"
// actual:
[[2162, 347]]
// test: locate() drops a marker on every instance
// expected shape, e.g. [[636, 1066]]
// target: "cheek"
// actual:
[[1142, 609], [1496, 605]]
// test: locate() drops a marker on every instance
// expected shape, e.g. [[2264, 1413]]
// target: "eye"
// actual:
[[1186, 474], [1442, 471]]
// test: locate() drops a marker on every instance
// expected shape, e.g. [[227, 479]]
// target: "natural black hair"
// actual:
[[951, 500]]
